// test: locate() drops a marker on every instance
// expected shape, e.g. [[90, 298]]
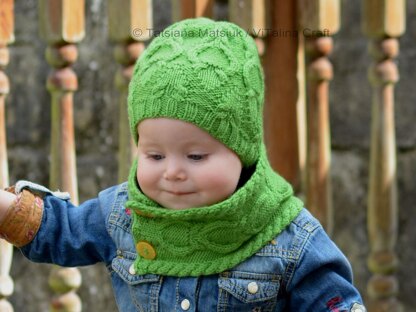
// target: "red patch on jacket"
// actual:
[[332, 304]]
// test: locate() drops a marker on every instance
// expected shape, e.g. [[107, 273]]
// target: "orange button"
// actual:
[[146, 250]]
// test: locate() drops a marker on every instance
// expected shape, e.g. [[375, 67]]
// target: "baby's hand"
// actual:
[[6, 200]]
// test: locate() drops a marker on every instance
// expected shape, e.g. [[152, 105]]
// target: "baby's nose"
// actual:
[[174, 171]]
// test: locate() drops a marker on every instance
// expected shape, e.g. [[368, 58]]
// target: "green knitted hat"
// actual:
[[207, 73]]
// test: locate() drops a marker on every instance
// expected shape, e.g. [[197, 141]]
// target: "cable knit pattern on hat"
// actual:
[[207, 73]]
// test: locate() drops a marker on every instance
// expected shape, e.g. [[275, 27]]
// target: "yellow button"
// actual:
[[146, 250]]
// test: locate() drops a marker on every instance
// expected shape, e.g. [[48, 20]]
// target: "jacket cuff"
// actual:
[[23, 218]]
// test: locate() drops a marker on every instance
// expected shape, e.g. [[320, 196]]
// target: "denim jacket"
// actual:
[[300, 270]]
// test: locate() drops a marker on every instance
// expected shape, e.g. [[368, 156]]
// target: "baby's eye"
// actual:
[[155, 156], [196, 157]]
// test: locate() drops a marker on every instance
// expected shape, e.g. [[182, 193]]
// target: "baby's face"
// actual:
[[181, 166]]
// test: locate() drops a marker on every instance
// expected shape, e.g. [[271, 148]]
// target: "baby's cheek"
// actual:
[[222, 181], [144, 176]]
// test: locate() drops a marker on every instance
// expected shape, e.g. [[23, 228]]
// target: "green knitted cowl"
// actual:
[[212, 239]]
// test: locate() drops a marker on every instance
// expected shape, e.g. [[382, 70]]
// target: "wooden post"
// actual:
[[62, 25], [383, 23], [263, 19], [129, 32], [6, 249], [319, 20], [280, 113], [182, 9], [301, 115], [254, 17], [251, 15]]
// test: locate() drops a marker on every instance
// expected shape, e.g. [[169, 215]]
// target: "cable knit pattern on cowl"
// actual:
[[212, 239]]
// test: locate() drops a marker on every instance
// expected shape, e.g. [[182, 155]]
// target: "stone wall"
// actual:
[[96, 120]]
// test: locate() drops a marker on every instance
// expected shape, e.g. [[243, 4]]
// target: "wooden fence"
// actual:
[[296, 113]]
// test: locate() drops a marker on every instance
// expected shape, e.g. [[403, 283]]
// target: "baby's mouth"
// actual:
[[177, 193]]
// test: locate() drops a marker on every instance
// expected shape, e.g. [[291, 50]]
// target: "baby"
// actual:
[[203, 223]]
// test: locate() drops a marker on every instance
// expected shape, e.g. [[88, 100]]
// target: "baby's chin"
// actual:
[[184, 205], [183, 202], [180, 206]]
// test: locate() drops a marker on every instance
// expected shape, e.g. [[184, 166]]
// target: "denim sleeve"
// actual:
[[322, 279], [71, 235]]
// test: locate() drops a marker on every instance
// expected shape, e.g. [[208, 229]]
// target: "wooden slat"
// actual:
[[301, 115], [126, 55], [61, 20], [280, 114], [7, 285], [384, 18], [318, 178], [382, 197], [320, 15], [142, 17], [61, 84], [182, 9], [319, 19], [62, 25], [251, 15], [133, 24], [204, 8], [383, 21], [128, 35], [7, 22], [6, 249], [4, 91]]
